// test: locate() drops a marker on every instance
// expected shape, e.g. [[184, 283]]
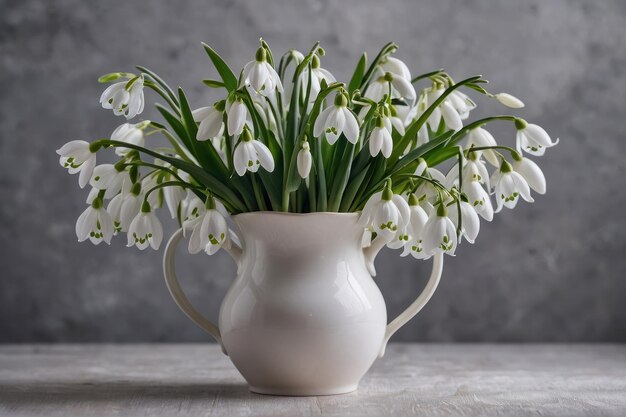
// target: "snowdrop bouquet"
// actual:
[[287, 136]]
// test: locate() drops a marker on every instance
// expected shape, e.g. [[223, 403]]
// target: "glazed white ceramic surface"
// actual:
[[303, 316]]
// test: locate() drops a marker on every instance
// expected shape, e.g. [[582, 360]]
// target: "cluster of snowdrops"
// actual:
[[287, 136]]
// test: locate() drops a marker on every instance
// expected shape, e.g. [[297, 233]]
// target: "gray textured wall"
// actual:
[[551, 271]]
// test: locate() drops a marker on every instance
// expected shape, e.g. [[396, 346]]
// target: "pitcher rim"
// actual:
[[287, 214]]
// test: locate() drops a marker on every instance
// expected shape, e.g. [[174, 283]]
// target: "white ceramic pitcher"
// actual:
[[303, 316]]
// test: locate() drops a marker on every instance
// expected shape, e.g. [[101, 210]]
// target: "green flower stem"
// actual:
[[426, 75], [224, 193], [173, 184], [514, 154], [155, 88], [478, 123], [257, 193]]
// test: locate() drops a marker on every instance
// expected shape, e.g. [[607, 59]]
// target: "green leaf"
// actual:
[[160, 82], [213, 83], [359, 72], [230, 81]]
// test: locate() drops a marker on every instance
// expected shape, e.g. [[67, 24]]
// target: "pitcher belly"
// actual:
[[304, 336]]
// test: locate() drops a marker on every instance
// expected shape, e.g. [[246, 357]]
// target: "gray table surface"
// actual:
[[429, 380]]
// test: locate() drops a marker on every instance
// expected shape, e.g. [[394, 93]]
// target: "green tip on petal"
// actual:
[[413, 200], [315, 62], [136, 188], [261, 55], [442, 211], [341, 100], [388, 77], [145, 207], [520, 124], [209, 204], [505, 166], [246, 136]]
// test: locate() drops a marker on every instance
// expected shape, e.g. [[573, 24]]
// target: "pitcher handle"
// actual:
[[176, 291], [420, 301]]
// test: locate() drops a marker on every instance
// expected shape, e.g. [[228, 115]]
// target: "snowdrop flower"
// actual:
[[415, 230], [173, 197], [393, 121], [474, 169], [78, 156], [111, 178], [470, 222], [509, 185], [380, 140], [304, 161], [479, 199], [211, 121], [145, 229], [426, 190], [260, 75], [461, 103], [94, 224], [317, 76], [396, 67], [337, 119], [531, 173], [386, 212], [250, 154], [445, 110], [532, 138], [115, 210], [237, 116], [439, 233], [209, 229], [480, 137], [509, 100], [401, 87], [129, 133], [125, 97], [129, 208]]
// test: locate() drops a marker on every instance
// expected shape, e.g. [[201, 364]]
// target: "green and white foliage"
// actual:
[[286, 136]]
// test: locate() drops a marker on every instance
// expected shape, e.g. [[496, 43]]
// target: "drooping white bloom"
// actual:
[[426, 190], [439, 233], [209, 230], [479, 199], [380, 140], [173, 196], [473, 169], [337, 119], [211, 121], [509, 185], [317, 76], [453, 110], [386, 213], [414, 235], [393, 121], [125, 97], [531, 173], [396, 67], [461, 103], [237, 116], [130, 207], [250, 154], [470, 223], [400, 87], [509, 100], [145, 229], [115, 211], [77, 156], [110, 178], [305, 160], [95, 224], [480, 137], [260, 75], [532, 138], [129, 133]]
